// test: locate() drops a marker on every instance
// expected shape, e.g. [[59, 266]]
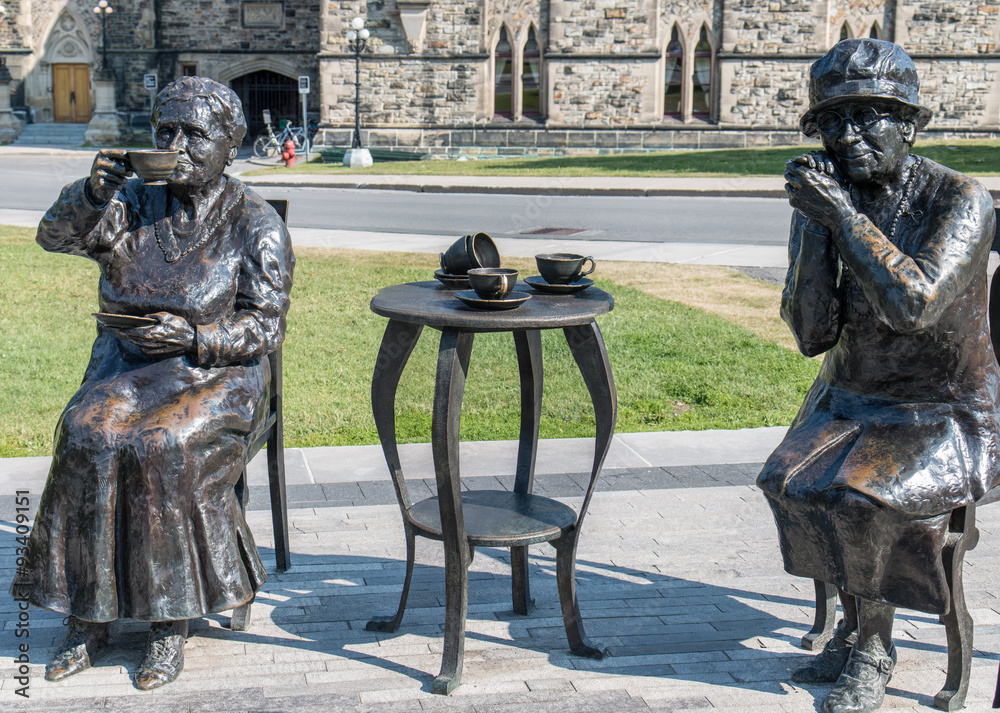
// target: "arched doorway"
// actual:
[[67, 58], [262, 90]]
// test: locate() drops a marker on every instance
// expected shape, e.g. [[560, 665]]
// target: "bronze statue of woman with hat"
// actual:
[[888, 279]]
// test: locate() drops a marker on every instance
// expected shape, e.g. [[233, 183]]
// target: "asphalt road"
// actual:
[[33, 182]]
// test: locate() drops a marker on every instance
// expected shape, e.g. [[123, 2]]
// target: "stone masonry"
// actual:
[[428, 75]]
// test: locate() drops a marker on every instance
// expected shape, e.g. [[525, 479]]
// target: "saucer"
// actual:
[[455, 282], [542, 285], [123, 321], [514, 299]]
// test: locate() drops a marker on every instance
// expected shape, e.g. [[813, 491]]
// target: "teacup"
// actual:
[[153, 166], [563, 268], [472, 251], [492, 283]]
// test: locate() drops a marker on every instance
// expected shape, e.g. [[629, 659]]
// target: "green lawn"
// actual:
[[676, 367], [974, 157]]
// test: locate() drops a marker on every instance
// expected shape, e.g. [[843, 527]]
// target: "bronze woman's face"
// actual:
[[192, 129], [870, 143]]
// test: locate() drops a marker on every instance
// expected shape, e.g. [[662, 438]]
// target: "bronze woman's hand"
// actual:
[[173, 335], [107, 175], [815, 189]]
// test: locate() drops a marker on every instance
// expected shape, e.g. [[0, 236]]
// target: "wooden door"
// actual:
[[71, 92]]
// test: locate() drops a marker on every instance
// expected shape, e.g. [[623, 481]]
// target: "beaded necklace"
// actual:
[[905, 200], [164, 233]]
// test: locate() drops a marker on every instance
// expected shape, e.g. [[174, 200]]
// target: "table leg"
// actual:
[[397, 344], [452, 367], [591, 356], [529, 365]]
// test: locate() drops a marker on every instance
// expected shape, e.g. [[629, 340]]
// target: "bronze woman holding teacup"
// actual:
[[888, 261], [139, 518]]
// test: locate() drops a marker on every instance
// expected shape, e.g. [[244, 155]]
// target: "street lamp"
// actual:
[[103, 9], [357, 40]]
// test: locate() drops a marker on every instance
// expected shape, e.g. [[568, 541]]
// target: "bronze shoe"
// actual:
[[861, 686], [826, 667], [164, 659], [84, 642]]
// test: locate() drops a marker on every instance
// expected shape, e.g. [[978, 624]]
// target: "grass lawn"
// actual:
[[680, 361], [974, 157]]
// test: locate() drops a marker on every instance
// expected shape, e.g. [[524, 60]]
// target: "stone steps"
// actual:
[[61, 135]]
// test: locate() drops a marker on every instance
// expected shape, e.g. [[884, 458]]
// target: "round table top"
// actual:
[[434, 305]]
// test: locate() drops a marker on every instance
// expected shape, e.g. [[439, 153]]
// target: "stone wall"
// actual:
[[609, 93], [243, 25], [396, 92], [764, 92], [12, 34], [611, 26], [786, 27], [499, 142], [961, 93], [950, 27]]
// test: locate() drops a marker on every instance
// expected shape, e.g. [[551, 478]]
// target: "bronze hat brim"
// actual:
[[856, 93]]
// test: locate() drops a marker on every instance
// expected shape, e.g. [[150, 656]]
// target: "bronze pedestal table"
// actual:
[[493, 518]]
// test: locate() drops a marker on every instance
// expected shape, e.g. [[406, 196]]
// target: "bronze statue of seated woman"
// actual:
[[888, 278], [139, 518]]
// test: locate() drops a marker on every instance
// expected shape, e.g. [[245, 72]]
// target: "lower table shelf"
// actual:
[[498, 518]]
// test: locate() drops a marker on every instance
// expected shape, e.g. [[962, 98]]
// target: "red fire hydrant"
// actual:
[[288, 155]]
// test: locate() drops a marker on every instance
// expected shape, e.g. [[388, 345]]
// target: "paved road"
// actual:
[[32, 182]]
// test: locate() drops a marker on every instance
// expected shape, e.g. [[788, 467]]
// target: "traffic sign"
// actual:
[[149, 81], [303, 85]]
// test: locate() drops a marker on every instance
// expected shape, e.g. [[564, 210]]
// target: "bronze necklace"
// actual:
[[904, 201], [164, 233]]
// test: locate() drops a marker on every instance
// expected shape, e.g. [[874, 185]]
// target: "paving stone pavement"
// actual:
[[678, 574]]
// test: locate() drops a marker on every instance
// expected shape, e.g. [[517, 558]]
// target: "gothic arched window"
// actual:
[[673, 76], [701, 96], [502, 82], [531, 77]]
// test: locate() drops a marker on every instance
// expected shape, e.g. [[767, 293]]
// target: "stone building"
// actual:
[[513, 77], [54, 50]]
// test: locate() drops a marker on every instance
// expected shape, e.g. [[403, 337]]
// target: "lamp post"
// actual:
[[102, 9], [357, 41], [104, 127]]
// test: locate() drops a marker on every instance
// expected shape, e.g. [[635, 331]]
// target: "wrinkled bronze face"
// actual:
[[870, 143], [191, 128]]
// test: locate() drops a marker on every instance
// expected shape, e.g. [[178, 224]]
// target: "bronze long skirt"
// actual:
[[139, 517]]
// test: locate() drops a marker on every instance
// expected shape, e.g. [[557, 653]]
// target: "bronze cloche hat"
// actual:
[[866, 70]]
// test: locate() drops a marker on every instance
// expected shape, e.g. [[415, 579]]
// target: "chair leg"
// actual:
[[391, 623], [519, 584], [824, 619], [963, 536], [579, 644], [279, 498], [240, 620]]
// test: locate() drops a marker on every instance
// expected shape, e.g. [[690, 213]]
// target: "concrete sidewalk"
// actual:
[[742, 186], [679, 574]]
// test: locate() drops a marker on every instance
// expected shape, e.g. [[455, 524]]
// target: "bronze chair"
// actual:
[[272, 434], [963, 535]]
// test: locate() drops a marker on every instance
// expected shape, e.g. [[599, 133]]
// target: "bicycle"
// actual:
[[270, 144]]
